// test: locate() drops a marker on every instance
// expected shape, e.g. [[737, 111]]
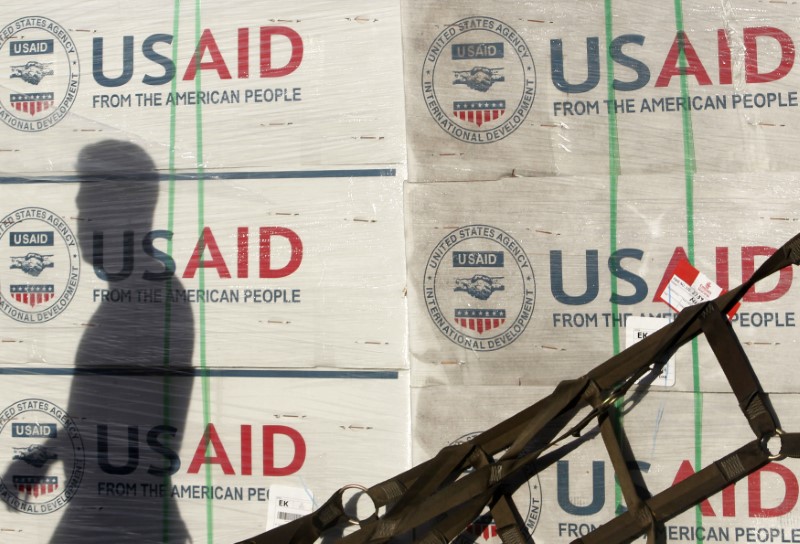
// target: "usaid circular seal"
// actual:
[[39, 265], [479, 288], [40, 69], [45, 458], [478, 80], [527, 499]]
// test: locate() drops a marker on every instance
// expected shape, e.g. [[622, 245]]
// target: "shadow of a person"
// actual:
[[133, 379]]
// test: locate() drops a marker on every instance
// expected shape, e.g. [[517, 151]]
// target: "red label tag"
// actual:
[[688, 286]]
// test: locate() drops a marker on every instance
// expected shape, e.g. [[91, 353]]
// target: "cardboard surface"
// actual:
[[275, 219], [577, 493], [281, 280], [203, 268], [121, 457], [275, 87], [567, 78], [534, 263]]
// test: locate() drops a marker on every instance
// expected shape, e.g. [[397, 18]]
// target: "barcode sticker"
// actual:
[[288, 516], [287, 504]]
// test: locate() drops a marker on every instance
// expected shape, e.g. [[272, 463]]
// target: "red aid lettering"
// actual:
[[748, 268], [244, 53], [693, 65], [265, 251], [677, 257], [299, 457], [243, 239], [723, 279], [789, 499], [296, 43], [207, 43], [217, 260], [751, 72], [200, 457], [724, 61], [247, 450]]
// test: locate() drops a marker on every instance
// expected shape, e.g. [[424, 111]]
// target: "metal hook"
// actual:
[[353, 520], [765, 445]]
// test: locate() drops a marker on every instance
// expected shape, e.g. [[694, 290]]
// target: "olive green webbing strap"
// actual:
[[437, 500], [651, 513]]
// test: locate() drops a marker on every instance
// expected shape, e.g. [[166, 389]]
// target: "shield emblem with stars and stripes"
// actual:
[[480, 321], [36, 486], [32, 295], [479, 112], [32, 103]]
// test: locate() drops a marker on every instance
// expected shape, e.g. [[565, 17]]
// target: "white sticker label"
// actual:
[[287, 504], [637, 329]]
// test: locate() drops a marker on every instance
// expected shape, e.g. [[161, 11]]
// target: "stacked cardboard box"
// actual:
[[203, 266], [564, 159], [228, 290]]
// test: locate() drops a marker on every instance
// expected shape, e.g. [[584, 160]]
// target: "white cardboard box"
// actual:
[[267, 276], [670, 437], [546, 101], [531, 262], [120, 457]]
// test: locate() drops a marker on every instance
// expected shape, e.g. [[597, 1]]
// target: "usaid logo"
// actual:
[[44, 457], [40, 265], [479, 288], [478, 80], [39, 64]]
